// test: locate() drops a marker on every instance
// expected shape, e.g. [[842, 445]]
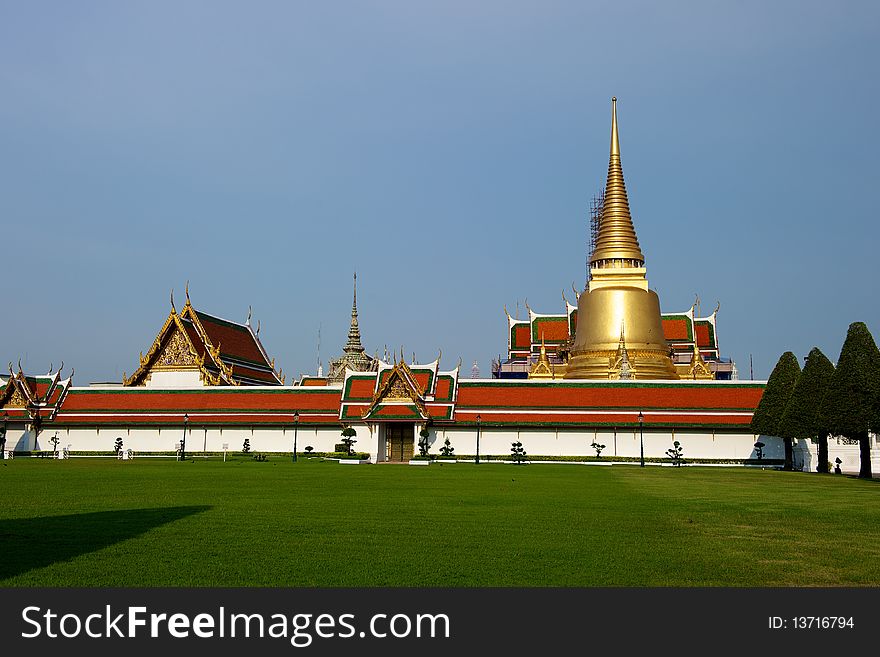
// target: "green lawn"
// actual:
[[156, 522]]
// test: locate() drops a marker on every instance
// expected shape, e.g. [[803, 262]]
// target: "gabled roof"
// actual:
[[222, 351], [33, 397], [400, 391], [399, 395]]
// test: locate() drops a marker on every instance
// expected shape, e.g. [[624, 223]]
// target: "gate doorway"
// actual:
[[399, 442]]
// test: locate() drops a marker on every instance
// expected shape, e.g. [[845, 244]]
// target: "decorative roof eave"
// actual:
[[511, 321]]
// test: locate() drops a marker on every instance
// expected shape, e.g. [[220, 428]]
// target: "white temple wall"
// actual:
[[199, 439], [494, 441], [806, 455], [621, 443]]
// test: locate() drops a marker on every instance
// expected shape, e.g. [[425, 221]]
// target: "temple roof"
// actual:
[[33, 398], [553, 403], [209, 406], [222, 351], [399, 391], [681, 330]]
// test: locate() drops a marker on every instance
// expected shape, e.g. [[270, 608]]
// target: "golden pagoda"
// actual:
[[617, 295]]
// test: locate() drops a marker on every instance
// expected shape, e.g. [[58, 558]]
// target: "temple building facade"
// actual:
[[610, 370]]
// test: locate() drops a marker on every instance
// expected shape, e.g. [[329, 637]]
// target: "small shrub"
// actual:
[[517, 452], [596, 446], [246, 447], [309, 449], [348, 439], [447, 450], [759, 448], [676, 453], [260, 457], [117, 446]]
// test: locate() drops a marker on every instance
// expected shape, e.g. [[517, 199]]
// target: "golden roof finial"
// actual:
[[617, 244], [615, 140]]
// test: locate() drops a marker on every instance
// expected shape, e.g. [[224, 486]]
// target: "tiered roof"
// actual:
[[31, 398], [209, 407], [677, 404], [400, 392], [222, 351], [681, 331]]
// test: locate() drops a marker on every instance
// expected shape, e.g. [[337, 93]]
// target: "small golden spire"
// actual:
[[543, 368], [617, 244]]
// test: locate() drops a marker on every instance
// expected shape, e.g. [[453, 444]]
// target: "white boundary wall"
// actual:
[[370, 439], [494, 441], [620, 443]]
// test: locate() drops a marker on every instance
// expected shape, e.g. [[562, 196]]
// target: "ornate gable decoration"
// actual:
[[12, 397], [399, 388], [172, 350], [177, 353]]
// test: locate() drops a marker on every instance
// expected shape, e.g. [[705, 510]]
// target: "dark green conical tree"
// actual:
[[771, 408], [850, 407], [802, 418]]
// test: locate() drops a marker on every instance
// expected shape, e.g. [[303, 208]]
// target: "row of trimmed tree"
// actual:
[[823, 400]]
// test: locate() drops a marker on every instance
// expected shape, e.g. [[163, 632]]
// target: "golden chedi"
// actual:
[[617, 310]]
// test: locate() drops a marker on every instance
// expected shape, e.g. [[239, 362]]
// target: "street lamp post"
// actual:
[[3, 435], [479, 420], [641, 440], [295, 428], [183, 442]]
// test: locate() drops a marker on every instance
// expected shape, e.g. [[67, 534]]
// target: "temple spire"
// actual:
[[354, 332], [616, 245]]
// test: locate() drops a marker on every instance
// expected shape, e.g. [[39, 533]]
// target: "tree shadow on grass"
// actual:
[[30, 543]]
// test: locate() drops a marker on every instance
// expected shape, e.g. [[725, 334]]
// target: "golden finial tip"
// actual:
[[613, 99]]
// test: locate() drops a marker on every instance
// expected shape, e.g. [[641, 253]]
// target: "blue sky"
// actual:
[[446, 151]]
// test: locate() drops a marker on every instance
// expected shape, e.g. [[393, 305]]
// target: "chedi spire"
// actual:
[[616, 244]]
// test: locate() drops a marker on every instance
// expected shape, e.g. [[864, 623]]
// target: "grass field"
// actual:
[[156, 522]]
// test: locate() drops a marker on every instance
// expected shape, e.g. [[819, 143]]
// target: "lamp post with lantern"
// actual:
[[183, 441], [641, 440], [479, 422], [295, 428]]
